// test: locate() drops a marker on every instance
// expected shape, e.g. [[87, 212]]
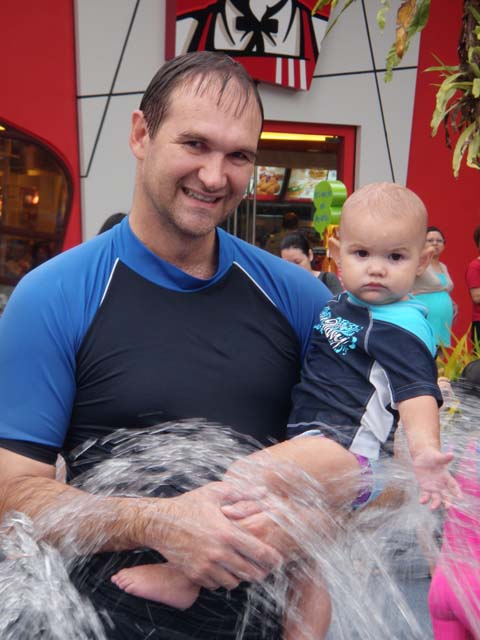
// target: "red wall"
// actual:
[[38, 88], [453, 204]]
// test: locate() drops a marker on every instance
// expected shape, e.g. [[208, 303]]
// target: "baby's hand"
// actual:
[[437, 486]]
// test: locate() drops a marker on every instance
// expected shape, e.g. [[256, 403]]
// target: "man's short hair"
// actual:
[[183, 70]]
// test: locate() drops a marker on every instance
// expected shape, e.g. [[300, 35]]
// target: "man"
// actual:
[[162, 318], [473, 283]]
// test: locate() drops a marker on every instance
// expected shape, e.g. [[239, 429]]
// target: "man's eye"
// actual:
[[193, 144], [240, 157]]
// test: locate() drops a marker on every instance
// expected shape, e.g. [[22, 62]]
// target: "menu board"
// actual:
[[302, 182], [270, 181]]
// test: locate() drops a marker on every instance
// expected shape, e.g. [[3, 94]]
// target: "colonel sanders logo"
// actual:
[[276, 42]]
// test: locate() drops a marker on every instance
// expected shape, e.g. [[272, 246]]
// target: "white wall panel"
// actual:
[[101, 29], [341, 51], [109, 185], [90, 112], [145, 51], [397, 101]]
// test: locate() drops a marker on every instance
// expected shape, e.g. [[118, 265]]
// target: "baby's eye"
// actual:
[[396, 257], [362, 253]]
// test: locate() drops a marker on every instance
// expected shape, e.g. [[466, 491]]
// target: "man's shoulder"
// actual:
[[69, 271]]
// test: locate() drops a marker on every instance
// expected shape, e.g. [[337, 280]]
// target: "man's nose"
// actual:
[[212, 173]]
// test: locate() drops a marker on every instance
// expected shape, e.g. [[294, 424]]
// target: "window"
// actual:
[[35, 200]]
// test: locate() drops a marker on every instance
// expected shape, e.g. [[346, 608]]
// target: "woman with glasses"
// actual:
[[433, 288]]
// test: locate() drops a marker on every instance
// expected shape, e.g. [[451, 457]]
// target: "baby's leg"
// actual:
[[159, 582], [309, 612]]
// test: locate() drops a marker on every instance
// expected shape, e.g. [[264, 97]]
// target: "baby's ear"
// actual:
[[334, 249], [425, 258]]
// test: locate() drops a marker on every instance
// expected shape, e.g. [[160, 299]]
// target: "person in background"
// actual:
[[289, 225], [111, 221], [454, 594], [296, 249], [472, 278], [433, 287]]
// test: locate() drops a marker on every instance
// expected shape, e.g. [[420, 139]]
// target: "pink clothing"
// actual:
[[454, 597], [472, 278]]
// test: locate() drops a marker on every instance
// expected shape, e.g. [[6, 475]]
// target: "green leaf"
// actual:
[[345, 6], [323, 3], [474, 13], [392, 61], [419, 20], [474, 150], [460, 147], [381, 14], [476, 88], [472, 52]]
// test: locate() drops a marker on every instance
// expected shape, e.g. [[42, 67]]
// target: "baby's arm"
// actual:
[[420, 420]]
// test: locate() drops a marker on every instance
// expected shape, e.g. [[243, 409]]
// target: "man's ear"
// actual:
[[334, 249], [425, 258], [139, 136]]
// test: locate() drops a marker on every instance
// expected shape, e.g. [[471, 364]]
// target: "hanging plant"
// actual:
[[412, 16], [458, 96], [457, 103]]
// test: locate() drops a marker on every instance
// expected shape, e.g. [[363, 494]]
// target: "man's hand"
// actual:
[[212, 550], [437, 486], [293, 529]]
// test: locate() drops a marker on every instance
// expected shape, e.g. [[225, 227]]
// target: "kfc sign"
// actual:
[[276, 42]]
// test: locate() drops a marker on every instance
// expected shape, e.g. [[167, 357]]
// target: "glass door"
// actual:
[[292, 158]]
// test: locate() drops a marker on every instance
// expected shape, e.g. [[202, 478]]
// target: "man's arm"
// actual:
[[189, 530]]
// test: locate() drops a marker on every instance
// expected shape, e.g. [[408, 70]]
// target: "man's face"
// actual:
[[195, 170]]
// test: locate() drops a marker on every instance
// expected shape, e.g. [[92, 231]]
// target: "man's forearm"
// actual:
[[64, 515]]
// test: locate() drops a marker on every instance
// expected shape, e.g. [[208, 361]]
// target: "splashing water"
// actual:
[[364, 558]]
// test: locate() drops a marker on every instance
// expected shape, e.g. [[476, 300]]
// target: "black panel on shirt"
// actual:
[[151, 355], [40, 452]]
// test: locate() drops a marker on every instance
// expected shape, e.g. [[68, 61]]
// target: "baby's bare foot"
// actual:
[[157, 582]]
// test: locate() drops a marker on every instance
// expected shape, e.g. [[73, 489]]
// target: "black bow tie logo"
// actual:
[[258, 29]]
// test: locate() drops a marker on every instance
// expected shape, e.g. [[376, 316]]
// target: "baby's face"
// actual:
[[380, 257]]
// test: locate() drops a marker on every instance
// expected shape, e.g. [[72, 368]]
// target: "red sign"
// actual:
[[277, 42]]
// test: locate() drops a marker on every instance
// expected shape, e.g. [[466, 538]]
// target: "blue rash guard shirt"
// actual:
[[108, 333], [363, 359], [108, 336]]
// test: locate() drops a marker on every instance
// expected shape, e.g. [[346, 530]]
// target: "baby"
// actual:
[[370, 364]]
